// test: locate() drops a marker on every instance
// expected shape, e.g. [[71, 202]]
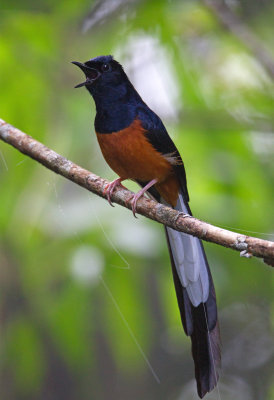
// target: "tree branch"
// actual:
[[233, 23], [248, 246]]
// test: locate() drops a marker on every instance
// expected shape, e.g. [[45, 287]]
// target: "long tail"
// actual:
[[197, 302]]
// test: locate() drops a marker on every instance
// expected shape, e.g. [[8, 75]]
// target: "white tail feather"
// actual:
[[189, 261]]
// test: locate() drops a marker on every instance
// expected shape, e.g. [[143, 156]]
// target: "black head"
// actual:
[[115, 97], [101, 72]]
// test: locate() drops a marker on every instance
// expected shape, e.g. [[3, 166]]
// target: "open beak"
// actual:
[[91, 73]]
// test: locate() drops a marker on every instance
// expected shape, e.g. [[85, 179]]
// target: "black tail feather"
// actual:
[[200, 323], [206, 355]]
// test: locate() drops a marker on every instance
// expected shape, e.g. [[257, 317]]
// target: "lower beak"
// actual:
[[91, 73], [81, 84]]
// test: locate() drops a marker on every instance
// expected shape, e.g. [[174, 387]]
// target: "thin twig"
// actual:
[[233, 23], [247, 245]]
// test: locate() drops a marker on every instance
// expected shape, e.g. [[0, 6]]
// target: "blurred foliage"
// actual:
[[88, 308]]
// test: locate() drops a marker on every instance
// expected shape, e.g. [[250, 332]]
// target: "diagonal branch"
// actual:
[[247, 245]]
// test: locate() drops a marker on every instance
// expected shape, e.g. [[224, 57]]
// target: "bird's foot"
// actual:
[[108, 190], [133, 200]]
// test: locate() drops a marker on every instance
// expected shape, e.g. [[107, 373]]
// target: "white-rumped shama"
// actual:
[[136, 145]]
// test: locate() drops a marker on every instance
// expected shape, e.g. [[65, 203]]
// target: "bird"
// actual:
[[137, 146]]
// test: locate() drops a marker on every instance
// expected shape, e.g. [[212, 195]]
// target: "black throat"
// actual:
[[116, 106]]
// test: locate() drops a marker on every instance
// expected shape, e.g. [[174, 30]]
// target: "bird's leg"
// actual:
[[137, 195], [110, 187]]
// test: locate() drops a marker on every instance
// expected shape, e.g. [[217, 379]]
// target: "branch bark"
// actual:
[[233, 23], [247, 245]]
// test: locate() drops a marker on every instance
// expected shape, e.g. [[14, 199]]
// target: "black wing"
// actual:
[[157, 135]]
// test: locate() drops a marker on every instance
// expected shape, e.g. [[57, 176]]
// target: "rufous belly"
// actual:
[[131, 156]]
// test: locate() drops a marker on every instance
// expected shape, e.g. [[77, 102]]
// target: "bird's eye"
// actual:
[[105, 67]]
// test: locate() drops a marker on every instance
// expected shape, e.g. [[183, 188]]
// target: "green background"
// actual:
[[87, 304]]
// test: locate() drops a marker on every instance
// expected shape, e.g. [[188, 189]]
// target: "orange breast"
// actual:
[[131, 156]]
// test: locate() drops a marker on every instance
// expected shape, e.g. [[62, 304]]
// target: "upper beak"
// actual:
[[91, 73]]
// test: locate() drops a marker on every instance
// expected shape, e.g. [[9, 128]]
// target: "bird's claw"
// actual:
[[108, 190], [134, 200], [130, 201]]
